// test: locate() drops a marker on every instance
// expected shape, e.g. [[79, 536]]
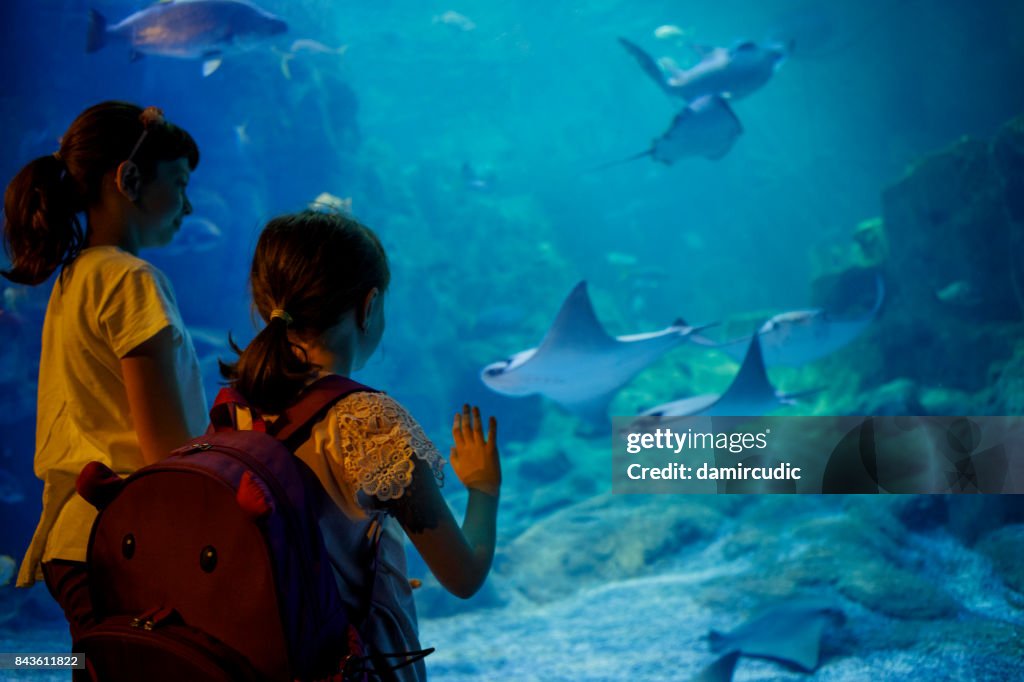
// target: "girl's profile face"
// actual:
[[376, 327], [374, 332], [164, 203]]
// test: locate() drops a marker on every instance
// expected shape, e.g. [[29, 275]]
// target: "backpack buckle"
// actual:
[[153, 618], [192, 448]]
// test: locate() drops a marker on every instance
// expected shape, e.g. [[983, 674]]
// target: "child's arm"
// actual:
[[460, 558], [154, 396]]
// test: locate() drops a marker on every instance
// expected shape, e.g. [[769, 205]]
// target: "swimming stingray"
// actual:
[[706, 127], [749, 395], [578, 364], [731, 72], [719, 671], [789, 632], [798, 337]]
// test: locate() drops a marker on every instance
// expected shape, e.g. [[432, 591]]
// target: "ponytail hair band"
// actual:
[[149, 117], [280, 313]]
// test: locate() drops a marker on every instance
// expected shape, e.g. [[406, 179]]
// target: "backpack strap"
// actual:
[[294, 426], [231, 410]]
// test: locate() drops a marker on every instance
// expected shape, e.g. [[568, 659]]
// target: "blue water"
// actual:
[[528, 98]]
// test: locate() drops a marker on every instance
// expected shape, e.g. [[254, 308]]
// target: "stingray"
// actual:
[[798, 337], [578, 364], [706, 127], [789, 632], [749, 395], [719, 671], [731, 72]]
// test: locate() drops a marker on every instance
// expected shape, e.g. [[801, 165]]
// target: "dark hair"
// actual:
[[42, 202], [316, 267]]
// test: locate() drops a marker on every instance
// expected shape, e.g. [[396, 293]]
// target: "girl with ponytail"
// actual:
[[318, 281], [118, 377]]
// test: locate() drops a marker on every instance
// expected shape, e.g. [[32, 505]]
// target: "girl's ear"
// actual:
[[372, 299], [129, 180]]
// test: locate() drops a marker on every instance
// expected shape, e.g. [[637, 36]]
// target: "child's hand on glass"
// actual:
[[474, 456]]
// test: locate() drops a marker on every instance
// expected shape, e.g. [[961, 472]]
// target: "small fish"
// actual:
[[670, 31], [328, 203], [456, 20], [478, 180], [621, 259], [208, 341], [7, 567], [789, 632], [305, 45], [242, 135], [196, 235], [316, 47], [961, 293], [707, 127], [733, 72], [188, 29]]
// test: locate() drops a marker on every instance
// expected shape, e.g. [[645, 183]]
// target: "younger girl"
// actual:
[[318, 280], [118, 377]]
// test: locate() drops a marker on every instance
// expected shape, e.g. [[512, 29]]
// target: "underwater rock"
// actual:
[[949, 269], [606, 538], [872, 243], [1005, 549], [1008, 155], [822, 550], [885, 589]]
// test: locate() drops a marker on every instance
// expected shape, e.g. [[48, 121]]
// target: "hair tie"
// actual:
[[279, 313], [149, 117]]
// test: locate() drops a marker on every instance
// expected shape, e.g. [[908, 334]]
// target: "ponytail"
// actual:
[[271, 370], [41, 227]]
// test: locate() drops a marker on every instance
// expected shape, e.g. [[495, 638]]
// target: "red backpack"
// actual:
[[210, 564]]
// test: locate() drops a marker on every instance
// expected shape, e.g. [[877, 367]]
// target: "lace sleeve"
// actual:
[[380, 443]]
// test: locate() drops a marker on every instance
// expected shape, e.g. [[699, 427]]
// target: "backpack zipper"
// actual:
[[290, 516]]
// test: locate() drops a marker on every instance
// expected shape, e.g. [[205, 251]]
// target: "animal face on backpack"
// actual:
[[178, 539]]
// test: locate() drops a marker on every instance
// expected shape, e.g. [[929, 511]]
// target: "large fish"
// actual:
[[750, 394], [706, 127], [578, 364], [188, 29], [798, 337], [733, 72], [789, 632]]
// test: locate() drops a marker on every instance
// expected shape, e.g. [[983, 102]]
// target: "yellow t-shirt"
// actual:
[[104, 305]]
